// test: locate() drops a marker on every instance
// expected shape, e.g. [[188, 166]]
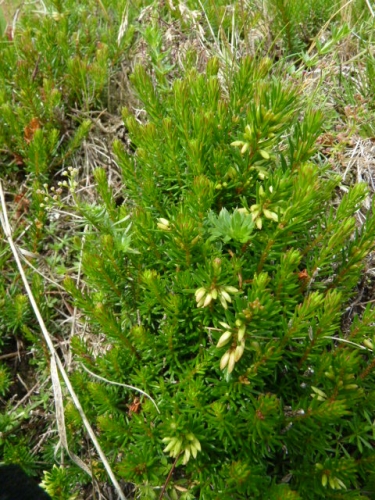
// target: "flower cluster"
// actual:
[[163, 224], [189, 445], [258, 210], [237, 338], [72, 183], [204, 296], [328, 479]]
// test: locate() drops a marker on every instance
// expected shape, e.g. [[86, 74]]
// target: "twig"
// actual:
[[10, 355], [169, 477], [26, 396]]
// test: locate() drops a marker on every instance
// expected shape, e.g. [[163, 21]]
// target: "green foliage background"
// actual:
[[217, 280]]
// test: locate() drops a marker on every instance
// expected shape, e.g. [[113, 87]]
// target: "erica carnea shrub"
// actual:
[[220, 285]]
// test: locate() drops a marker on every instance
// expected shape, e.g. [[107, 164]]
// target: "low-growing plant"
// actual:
[[297, 23], [55, 68], [219, 289]]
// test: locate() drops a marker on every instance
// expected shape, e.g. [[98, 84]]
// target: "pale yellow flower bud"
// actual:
[[225, 295], [200, 293], [224, 339], [238, 352], [186, 456], [270, 215], [367, 343], [241, 332], [223, 301], [244, 148], [163, 224], [225, 325], [231, 361], [207, 300], [224, 360]]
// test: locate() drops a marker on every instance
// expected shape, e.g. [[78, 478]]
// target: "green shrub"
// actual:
[[297, 23], [56, 66], [56, 69], [220, 286]]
